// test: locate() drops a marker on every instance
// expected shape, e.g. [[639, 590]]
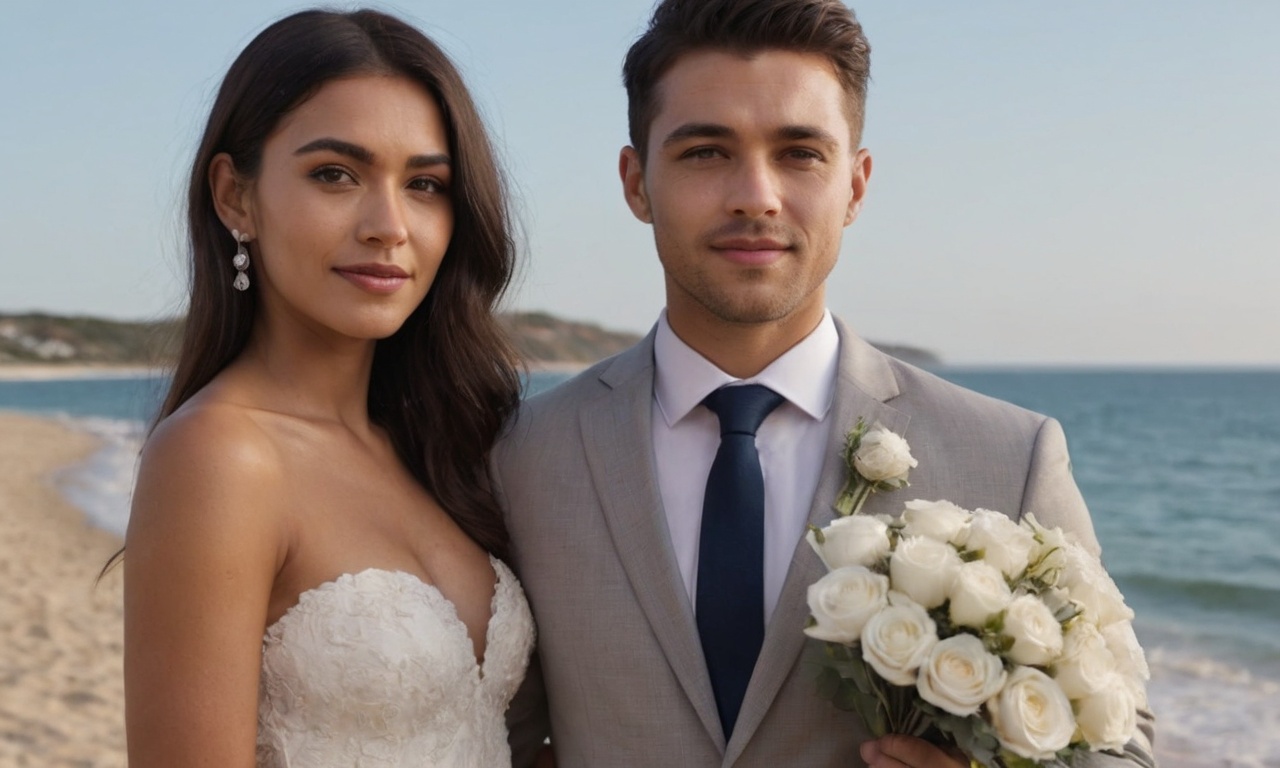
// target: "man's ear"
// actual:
[[861, 175], [231, 199], [631, 169]]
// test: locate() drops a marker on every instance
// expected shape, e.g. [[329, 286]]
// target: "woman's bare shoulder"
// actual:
[[209, 466]]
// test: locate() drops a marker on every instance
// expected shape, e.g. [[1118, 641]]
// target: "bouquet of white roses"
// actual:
[[1009, 638]]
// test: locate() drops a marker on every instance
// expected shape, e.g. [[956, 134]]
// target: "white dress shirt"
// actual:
[[792, 443]]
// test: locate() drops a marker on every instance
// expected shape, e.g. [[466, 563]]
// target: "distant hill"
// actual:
[[541, 339], [43, 338]]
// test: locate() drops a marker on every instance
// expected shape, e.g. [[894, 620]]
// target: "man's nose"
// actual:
[[753, 189]]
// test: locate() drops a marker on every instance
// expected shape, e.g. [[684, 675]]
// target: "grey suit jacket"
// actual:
[[625, 681]]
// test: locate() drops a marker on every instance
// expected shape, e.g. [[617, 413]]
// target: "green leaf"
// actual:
[[829, 683], [1015, 761], [818, 535]]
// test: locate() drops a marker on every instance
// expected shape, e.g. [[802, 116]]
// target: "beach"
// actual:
[[61, 684], [1192, 538]]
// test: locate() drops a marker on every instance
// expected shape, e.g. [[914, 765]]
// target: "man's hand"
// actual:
[[546, 758], [898, 751]]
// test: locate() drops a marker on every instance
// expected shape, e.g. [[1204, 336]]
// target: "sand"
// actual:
[[61, 637]]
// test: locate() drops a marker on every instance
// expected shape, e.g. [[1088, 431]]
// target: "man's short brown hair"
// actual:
[[825, 27]]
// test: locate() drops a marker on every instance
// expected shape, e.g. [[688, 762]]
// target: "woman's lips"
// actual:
[[374, 278]]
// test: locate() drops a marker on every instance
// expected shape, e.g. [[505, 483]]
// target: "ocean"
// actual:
[[1181, 470]]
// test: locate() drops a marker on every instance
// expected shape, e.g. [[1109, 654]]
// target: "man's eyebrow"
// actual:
[[362, 155], [698, 131], [807, 133]]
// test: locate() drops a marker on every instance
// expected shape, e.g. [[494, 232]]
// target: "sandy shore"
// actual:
[[61, 687], [50, 371]]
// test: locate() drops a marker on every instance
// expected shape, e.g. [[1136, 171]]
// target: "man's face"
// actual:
[[750, 179]]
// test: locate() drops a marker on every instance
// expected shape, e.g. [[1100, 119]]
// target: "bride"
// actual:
[[313, 574]]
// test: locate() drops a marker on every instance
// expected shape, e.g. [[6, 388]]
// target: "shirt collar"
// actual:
[[805, 374]]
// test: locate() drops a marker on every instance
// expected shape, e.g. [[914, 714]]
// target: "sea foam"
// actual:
[[102, 485]]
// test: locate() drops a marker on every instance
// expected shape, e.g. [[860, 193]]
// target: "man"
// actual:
[[661, 645]]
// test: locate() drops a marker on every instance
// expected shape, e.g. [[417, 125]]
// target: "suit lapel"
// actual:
[[864, 381], [617, 433]]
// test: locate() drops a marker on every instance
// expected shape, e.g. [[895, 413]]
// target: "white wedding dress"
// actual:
[[376, 670]]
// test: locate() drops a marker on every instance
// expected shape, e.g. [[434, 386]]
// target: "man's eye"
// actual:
[[702, 153]]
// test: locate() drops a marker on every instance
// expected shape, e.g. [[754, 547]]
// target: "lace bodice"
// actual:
[[375, 669]]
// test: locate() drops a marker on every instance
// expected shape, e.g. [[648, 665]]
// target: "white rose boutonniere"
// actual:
[[877, 460]]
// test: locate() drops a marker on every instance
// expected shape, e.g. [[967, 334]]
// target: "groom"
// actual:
[[659, 541]]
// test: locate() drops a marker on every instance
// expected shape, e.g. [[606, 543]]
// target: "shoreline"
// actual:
[[72, 371], [75, 371], [62, 685]]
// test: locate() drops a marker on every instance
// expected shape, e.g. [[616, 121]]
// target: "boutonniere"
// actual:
[[877, 459]]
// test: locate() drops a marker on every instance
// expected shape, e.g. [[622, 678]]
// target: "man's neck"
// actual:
[[743, 350]]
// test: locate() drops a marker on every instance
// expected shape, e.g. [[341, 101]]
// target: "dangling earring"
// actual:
[[240, 261]]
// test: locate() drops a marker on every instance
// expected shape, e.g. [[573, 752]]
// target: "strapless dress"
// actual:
[[375, 669]]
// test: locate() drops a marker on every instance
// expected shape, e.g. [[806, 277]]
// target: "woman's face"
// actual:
[[351, 210]]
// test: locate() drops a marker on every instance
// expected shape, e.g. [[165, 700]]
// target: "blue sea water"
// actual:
[[1181, 470]]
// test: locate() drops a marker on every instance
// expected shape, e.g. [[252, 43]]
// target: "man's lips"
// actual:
[[750, 251], [374, 278]]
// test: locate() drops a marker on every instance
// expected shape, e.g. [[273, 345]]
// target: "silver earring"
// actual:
[[240, 261]]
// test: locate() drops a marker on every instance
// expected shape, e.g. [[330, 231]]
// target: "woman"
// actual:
[[312, 573]]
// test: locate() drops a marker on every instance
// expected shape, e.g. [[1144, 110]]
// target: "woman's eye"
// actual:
[[331, 175], [427, 184]]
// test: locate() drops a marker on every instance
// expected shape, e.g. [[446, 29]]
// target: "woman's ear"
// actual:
[[231, 199]]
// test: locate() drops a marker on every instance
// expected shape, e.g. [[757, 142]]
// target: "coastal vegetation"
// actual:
[[541, 339]]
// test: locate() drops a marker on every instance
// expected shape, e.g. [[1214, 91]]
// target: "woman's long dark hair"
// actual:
[[443, 385]]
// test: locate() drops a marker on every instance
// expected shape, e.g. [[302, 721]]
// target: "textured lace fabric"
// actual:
[[376, 670]]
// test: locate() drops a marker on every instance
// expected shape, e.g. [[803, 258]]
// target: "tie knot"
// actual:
[[742, 409]]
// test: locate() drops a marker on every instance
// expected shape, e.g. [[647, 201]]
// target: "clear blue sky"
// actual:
[[1092, 182]]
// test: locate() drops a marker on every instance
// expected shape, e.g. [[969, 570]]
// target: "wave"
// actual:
[[1207, 594], [102, 485], [1211, 708]]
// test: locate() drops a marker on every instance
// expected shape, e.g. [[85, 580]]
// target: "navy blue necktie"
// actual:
[[730, 601]]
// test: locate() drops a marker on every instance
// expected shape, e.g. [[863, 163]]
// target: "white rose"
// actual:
[[1131, 662], [1090, 586], [940, 520], [1059, 602], [842, 601], [923, 569], [1036, 634], [1002, 542], [1108, 717], [1085, 664], [897, 640], [883, 456], [960, 675], [978, 593], [1031, 715], [853, 540], [1048, 557]]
